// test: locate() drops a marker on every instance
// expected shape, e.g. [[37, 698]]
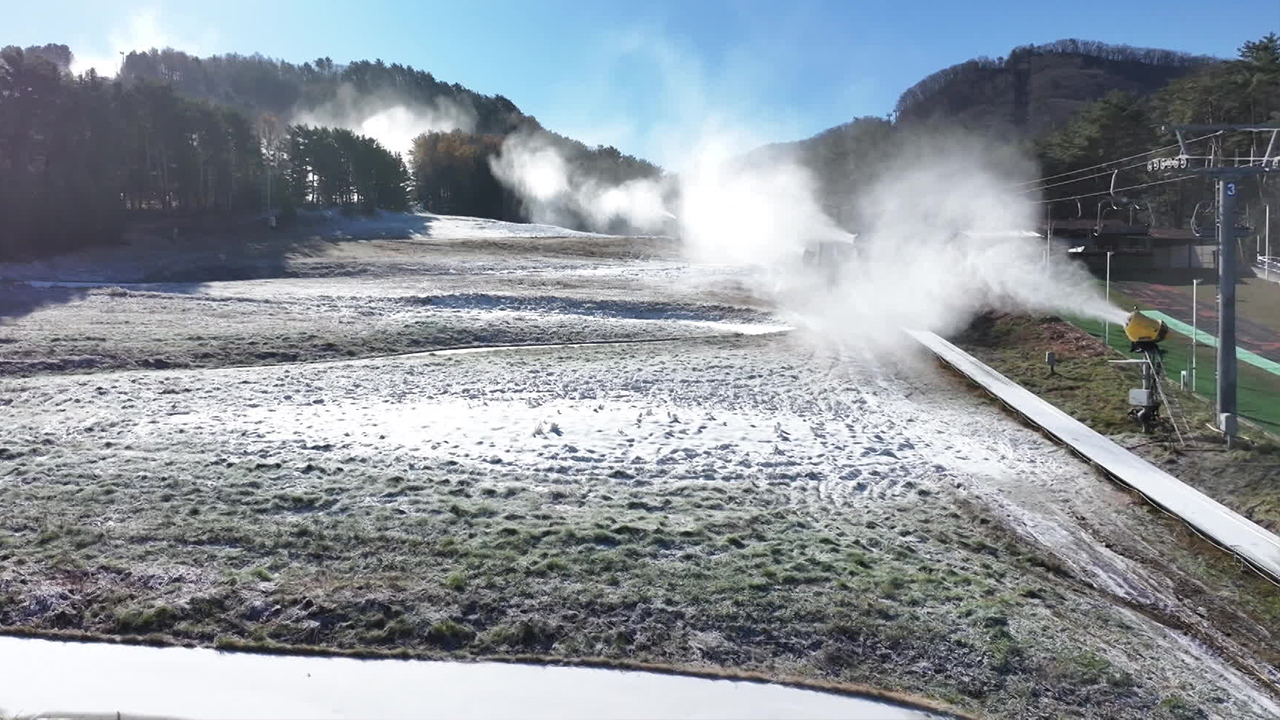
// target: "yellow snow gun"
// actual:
[[1141, 329]]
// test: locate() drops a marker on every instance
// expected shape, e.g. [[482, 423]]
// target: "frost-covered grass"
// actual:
[[760, 503], [148, 329], [832, 539], [917, 595], [356, 299]]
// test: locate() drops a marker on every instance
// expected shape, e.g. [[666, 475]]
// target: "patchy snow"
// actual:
[[729, 399], [773, 409], [148, 254], [424, 224], [452, 226], [638, 410]]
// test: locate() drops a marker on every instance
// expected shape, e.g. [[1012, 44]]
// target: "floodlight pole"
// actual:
[[1048, 236]]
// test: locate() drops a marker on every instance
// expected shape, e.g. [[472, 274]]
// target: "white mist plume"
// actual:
[[761, 215], [389, 119], [728, 211], [141, 31], [942, 236], [943, 239], [557, 193]]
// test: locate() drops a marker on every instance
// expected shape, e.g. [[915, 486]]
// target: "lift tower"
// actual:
[[1226, 177]]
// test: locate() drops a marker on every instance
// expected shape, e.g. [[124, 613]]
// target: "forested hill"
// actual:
[[1086, 104], [1037, 88], [181, 135], [256, 85], [232, 136], [456, 131]]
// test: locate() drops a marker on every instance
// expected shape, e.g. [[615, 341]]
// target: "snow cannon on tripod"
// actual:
[[1145, 335]]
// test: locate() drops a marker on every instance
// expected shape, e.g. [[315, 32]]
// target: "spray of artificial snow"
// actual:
[[941, 234], [554, 192], [387, 118], [945, 238]]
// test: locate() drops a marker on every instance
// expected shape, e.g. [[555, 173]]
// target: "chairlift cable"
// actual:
[[1086, 177], [1109, 172], [1109, 192], [1118, 160]]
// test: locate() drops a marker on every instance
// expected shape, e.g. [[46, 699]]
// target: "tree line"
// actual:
[[177, 134], [334, 166], [80, 155], [1008, 88], [257, 85], [851, 158], [1113, 52], [452, 173], [449, 172], [1245, 90]]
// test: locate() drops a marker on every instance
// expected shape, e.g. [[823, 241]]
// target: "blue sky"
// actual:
[[635, 74]]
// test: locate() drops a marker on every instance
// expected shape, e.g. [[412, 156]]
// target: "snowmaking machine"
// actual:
[[830, 257], [1145, 335], [1144, 332]]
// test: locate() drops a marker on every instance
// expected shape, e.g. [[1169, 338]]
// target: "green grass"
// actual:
[[1180, 708], [1093, 390], [1083, 384], [1256, 299], [1257, 391]]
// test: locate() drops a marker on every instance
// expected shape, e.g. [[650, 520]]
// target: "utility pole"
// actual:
[[1226, 392], [1195, 331], [1227, 178], [1107, 323]]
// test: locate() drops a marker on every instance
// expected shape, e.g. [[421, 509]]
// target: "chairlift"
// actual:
[[1142, 206], [1111, 200], [1110, 203], [1195, 223]]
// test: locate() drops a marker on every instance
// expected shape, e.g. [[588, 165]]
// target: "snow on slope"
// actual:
[[834, 432], [457, 227], [142, 257], [773, 411]]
